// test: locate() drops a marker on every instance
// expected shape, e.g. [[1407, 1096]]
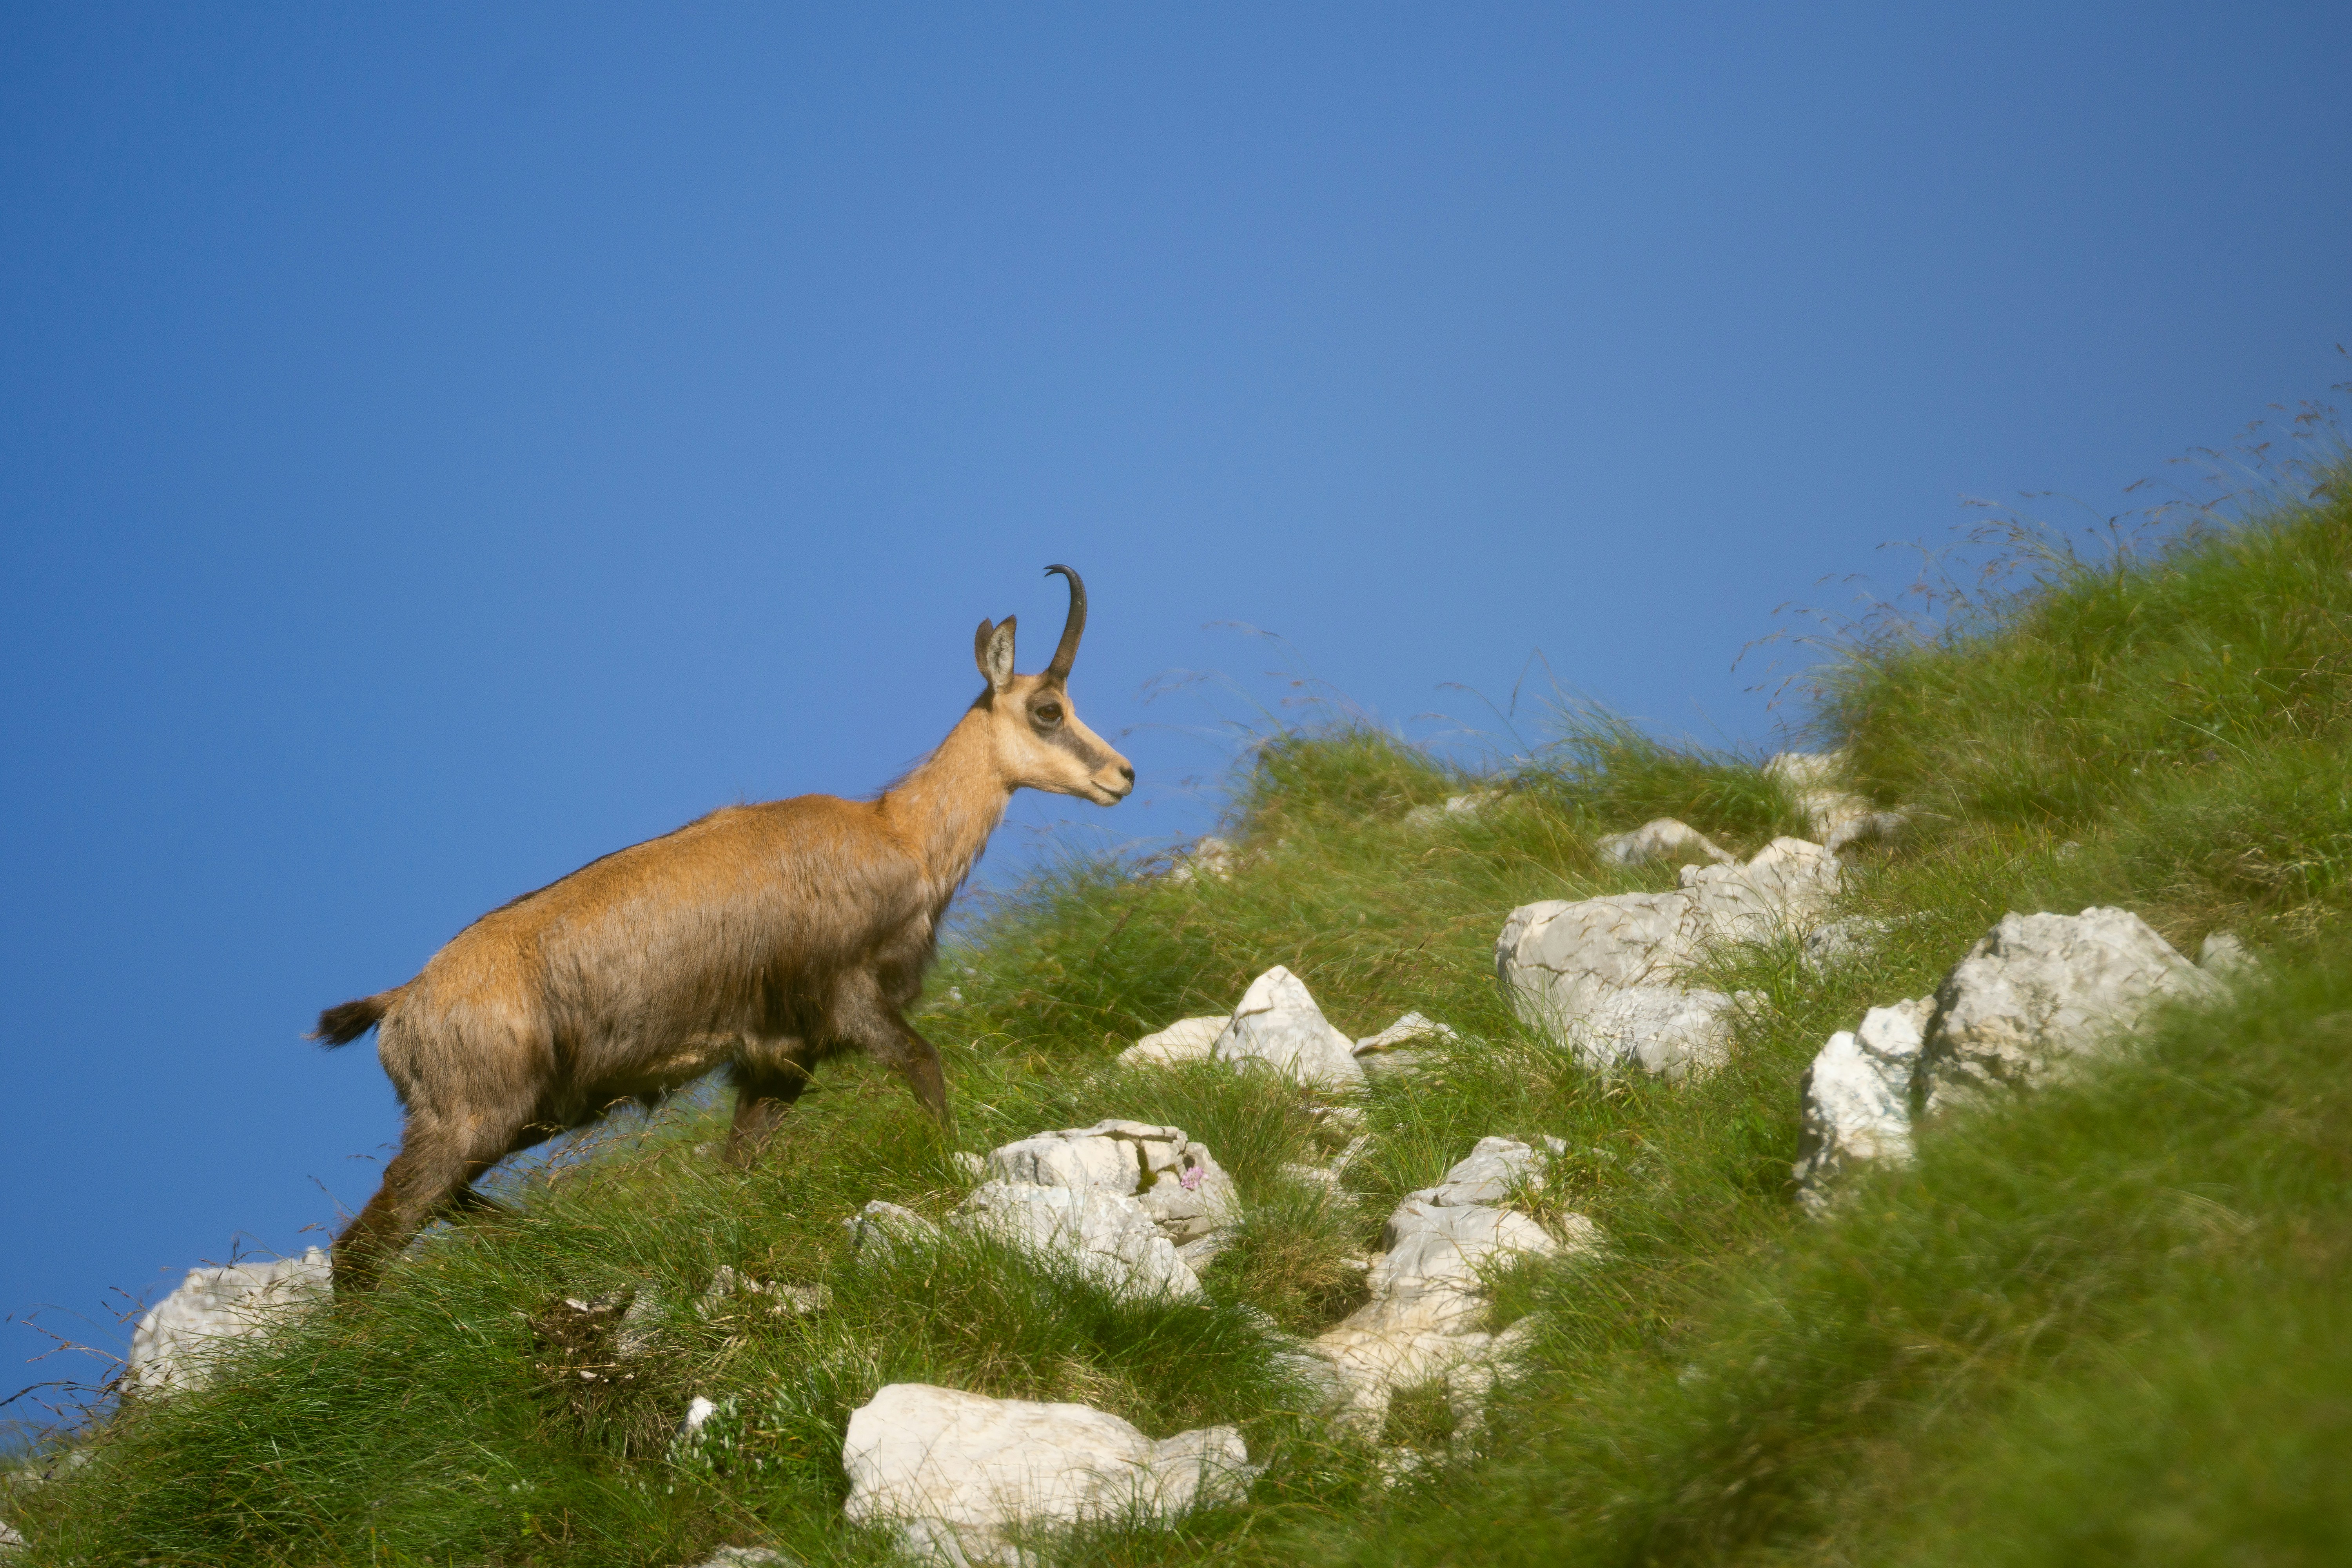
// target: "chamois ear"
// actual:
[[992, 648]]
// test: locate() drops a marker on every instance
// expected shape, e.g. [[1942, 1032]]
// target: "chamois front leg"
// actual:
[[869, 1022]]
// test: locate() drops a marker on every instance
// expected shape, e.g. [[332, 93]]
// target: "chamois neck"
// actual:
[[946, 808]]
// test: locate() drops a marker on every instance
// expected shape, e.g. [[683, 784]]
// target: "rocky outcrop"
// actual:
[[1603, 975], [2037, 994], [1473, 1382], [1858, 1097], [1428, 1289], [2033, 1000], [962, 1476], [213, 1312]]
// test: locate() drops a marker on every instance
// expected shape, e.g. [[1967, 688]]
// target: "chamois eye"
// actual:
[[1048, 712]]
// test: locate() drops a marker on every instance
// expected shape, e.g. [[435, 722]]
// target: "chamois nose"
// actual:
[[1127, 771]]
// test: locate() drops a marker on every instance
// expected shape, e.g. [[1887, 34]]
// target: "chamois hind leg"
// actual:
[[432, 1173], [763, 1092]]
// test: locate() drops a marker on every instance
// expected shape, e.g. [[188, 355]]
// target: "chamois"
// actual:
[[761, 938]]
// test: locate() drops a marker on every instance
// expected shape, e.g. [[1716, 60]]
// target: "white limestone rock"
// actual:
[[1428, 1288], [1857, 1098], [1661, 840], [1870, 827], [1844, 941], [2224, 955], [1474, 1379], [1107, 1237], [1185, 1040], [749, 1557], [2041, 993], [213, 1313], [728, 1287], [1664, 1030], [1557, 959], [1201, 1251], [1446, 1247], [1177, 1182], [883, 1229], [1279, 1028], [1785, 889], [959, 1474], [1403, 1045], [1816, 782], [1494, 1170], [1456, 807], [1210, 856]]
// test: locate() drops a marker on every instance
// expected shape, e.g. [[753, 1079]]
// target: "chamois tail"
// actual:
[[340, 1025]]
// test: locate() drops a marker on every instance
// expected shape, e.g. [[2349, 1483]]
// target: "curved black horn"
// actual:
[[1072, 629]]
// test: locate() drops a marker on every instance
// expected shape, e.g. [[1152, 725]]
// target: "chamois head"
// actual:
[[1038, 740]]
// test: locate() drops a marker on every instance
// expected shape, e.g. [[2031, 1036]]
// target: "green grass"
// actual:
[[2107, 1327]]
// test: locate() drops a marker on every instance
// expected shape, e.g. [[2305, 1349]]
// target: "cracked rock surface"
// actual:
[[2039, 992]]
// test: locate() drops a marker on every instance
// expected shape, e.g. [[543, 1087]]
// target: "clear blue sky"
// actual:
[[440, 445]]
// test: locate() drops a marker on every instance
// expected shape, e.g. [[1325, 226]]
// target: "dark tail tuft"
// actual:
[[342, 1025]]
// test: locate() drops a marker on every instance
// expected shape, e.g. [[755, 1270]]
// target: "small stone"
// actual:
[[1402, 1047], [1279, 1027], [880, 1229], [1870, 827], [1185, 1040], [959, 1472], [1210, 856], [1663, 841], [1856, 1098], [1458, 807], [2225, 956], [1815, 782]]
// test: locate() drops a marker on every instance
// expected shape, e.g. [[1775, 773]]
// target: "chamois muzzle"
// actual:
[[1072, 629]]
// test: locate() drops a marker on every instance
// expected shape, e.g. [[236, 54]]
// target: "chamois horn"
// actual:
[[1072, 629]]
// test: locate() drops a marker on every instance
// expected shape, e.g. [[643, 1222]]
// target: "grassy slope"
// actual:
[[2106, 1328]]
